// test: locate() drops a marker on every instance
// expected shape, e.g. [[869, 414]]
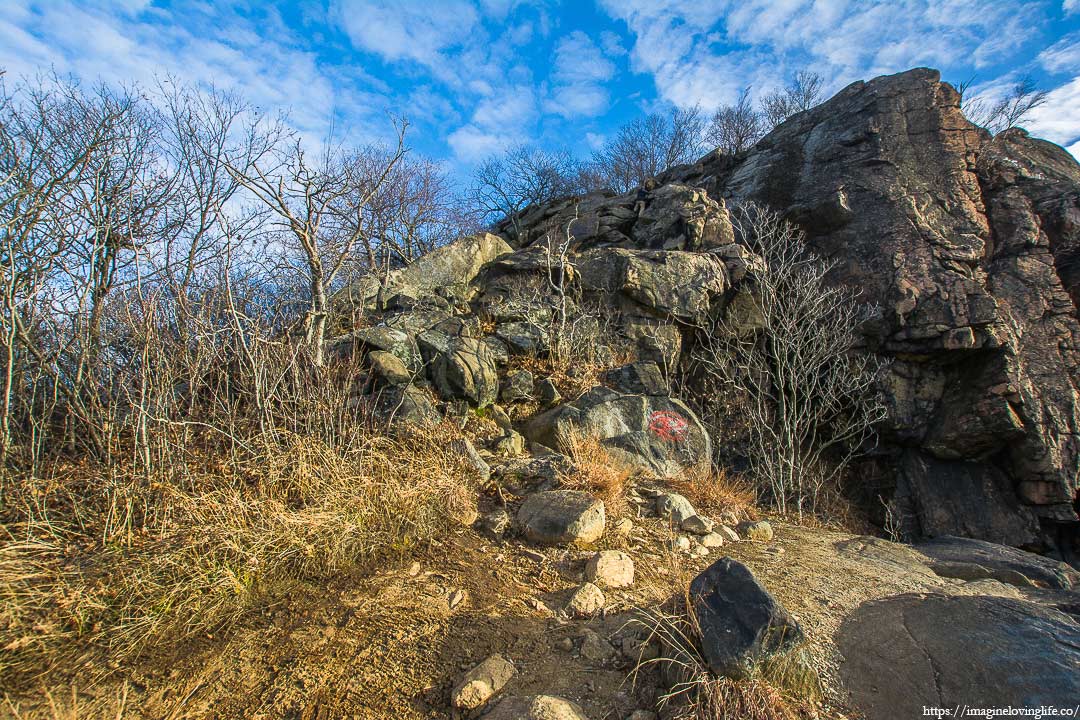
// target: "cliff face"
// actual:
[[968, 244], [971, 245]]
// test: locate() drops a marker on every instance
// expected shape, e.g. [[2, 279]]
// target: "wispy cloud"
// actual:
[[579, 71], [1063, 56]]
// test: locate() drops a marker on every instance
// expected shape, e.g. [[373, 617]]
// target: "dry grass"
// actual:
[[596, 471], [717, 491], [94, 565]]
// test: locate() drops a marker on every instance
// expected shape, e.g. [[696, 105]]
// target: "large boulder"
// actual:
[[679, 217], [908, 652], [678, 284], [453, 265], [741, 624], [467, 369], [656, 433]]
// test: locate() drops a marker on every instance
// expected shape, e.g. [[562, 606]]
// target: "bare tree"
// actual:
[[802, 93], [1008, 111], [322, 208], [735, 128], [648, 145], [504, 186], [811, 399]]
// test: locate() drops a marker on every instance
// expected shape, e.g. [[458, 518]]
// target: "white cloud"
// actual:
[[1075, 149], [256, 57], [579, 71], [1059, 119], [472, 144], [707, 51], [1070, 6], [1062, 56], [417, 30]]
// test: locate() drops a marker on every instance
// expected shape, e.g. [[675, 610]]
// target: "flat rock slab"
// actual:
[[561, 517], [910, 651], [969, 559], [741, 623]]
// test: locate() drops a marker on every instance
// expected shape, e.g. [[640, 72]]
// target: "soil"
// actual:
[[393, 645]]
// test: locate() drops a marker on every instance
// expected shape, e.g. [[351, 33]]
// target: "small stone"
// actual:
[[561, 517], [457, 597], [729, 534], [501, 418], [595, 648], [623, 526], [497, 522], [538, 707], [775, 550], [511, 444], [698, 525], [700, 551], [610, 568], [566, 645], [641, 715], [761, 531], [482, 682], [587, 600], [681, 543], [414, 569], [674, 507], [712, 540]]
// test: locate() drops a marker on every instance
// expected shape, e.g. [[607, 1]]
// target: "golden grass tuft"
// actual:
[[595, 470], [139, 565], [716, 491]]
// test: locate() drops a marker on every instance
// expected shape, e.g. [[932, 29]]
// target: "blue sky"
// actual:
[[476, 76]]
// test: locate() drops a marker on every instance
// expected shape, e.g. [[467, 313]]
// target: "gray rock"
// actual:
[[561, 517], [760, 531], [482, 682], [658, 434], [523, 338], [978, 560], [595, 648], [712, 540], [674, 508], [517, 387], [548, 393], [466, 370], [640, 378], [404, 404], [456, 264], [741, 623], [381, 337], [697, 525], [389, 368], [909, 651]]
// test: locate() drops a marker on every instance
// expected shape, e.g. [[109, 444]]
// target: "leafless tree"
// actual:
[[802, 93], [648, 145], [1008, 111], [323, 208], [811, 399], [504, 186], [735, 128]]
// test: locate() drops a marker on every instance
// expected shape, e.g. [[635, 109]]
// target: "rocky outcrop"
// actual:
[[966, 243]]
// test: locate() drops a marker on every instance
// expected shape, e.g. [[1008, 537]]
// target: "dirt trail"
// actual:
[[393, 645]]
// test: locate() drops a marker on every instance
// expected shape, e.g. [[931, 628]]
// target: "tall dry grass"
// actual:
[[595, 470], [94, 564]]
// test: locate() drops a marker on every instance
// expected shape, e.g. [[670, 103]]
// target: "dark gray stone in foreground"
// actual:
[[741, 623]]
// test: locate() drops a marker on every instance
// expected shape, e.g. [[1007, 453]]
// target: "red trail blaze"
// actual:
[[668, 425]]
